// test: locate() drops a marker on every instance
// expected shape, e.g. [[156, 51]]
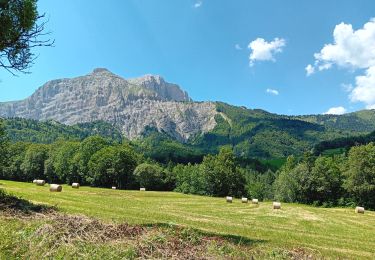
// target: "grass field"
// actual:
[[327, 232]]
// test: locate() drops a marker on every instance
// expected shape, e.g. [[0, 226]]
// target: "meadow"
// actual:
[[324, 232]]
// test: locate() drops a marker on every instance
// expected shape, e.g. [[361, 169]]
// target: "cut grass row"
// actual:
[[331, 232]]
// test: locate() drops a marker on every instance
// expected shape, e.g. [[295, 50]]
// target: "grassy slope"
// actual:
[[332, 232], [257, 133]]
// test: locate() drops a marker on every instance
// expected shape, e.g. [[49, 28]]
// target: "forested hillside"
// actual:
[[257, 133], [344, 143], [360, 121], [28, 130], [251, 133]]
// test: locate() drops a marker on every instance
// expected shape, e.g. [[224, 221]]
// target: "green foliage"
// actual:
[[150, 176], [341, 145], [88, 148], [15, 157], [259, 134], [218, 175], [33, 162], [251, 134], [329, 181], [19, 33], [222, 176], [260, 185], [324, 184], [189, 179], [3, 147], [112, 166], [63, 167], [359, 122], [96, 161], [28, 130], [286, 185], [360, 175], [162, 148]]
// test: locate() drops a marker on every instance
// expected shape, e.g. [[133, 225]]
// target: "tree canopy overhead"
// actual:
[[21, 30]]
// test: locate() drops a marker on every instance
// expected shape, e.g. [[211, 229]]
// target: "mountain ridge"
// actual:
[[128, 104], [149, 102]]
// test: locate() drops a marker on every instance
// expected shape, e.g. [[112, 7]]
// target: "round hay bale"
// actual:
[[244, 200], [114, 188], [55, 188], [276, 205], [229, 199], [142, 189], [40, 182], [360, 210], [254, 201], [34, 181], [75, 185]]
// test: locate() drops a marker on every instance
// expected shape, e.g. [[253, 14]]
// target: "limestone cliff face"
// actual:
[[130, 105]]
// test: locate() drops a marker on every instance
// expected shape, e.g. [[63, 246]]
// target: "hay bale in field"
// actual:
[[276, 205], [75, 185], [360, 210], [34, 181], [55, 188], [229, 199], [40, 182], [244, 200], [114, 188], [254, 201], [142, 189]]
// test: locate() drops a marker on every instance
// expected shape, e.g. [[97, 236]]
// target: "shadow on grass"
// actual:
[[235, 239], [13, 204]]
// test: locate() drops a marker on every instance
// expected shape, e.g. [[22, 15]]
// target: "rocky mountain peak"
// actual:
[[100, 70], [149, 78], [165, 90], [130, 104]]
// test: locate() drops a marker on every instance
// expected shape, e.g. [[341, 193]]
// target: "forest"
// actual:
[[340, 180]]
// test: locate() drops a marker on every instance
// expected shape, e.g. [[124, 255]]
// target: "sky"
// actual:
[[287, 57]]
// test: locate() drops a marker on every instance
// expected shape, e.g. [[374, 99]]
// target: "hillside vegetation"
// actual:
[[28, 130], [251, 133], [257, 133], [360, 121], [344, 180], [343, 144], [332, 233]]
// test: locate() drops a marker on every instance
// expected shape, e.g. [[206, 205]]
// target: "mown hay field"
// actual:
[[325, 232]]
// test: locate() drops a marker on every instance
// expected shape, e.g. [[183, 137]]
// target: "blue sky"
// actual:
[[203, 47]]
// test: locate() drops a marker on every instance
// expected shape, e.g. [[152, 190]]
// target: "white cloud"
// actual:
[[272, 91], [336, 111], [325, 66], [364, 89], [238, 47], [198, 4], [353, 50], [309, 70], [261, 50]]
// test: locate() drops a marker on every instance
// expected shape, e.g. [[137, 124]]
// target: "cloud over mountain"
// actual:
[[261, 50]]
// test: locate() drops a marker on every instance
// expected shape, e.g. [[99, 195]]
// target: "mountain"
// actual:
[[130, 105], [257, 133], [160, 116], [360, 121]]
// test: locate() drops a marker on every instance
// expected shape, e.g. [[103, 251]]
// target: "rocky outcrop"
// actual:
[[131, 105]]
